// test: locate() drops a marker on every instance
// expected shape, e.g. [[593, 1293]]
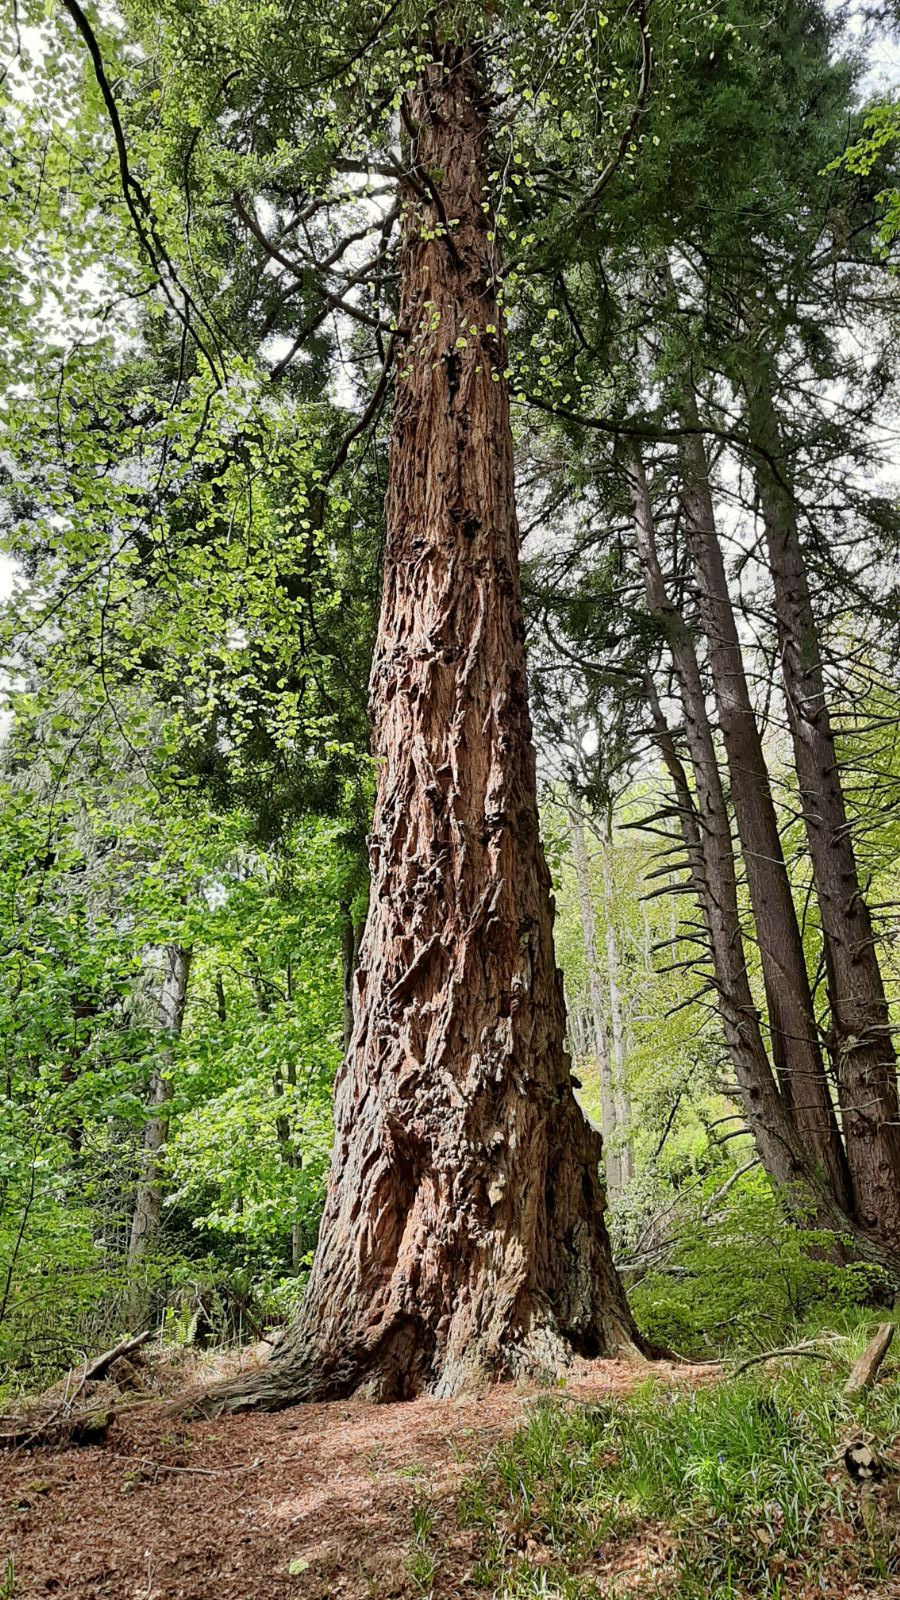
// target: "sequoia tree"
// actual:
[[463, 1237], [300, 200]]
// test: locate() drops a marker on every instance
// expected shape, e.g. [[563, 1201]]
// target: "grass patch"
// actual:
[[420, 1562], [737, 1489]]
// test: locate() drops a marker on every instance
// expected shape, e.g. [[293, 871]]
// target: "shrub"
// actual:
[[744, 1277]]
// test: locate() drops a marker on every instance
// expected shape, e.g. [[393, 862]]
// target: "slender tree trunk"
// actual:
[[647, 943], [580, 1024], [169, 1017], [82, 1011], [463, 1236], [616, 1016], [351, 937], [600, 1039], [713, 882], [707, 833], [796, 1049], [348, 971], [290, 1154], [866, 1061]]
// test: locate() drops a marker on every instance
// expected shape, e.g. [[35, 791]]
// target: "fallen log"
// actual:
[[101, 1364], [35, 1426], [78, 1409]]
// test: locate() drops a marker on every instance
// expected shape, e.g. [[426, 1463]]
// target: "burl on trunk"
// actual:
[[463, 1237]]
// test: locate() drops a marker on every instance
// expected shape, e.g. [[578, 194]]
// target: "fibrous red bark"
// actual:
[[463, 1237]]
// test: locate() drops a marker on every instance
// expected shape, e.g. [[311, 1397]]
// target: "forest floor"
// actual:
[[314, 1502]]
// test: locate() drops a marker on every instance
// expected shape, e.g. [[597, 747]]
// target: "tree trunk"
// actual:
[[600, 1040], [707, 833], [290, 1153], [351, 935], [617, 1020], [82, 1011], [866, 1062], [169, 1017], [795, 1043], [463, 1237], [580, 1025]]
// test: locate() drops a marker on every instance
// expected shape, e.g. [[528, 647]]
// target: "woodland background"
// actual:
[[192, 506]]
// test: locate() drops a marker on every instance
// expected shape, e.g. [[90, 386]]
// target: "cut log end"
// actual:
[[866, 1368]]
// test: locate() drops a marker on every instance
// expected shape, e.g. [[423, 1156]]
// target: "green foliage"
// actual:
[[725, 1490], [673, 1053], [249, 1149], [699, 1305], [420, 1563], [250, 1075], [877, 152], [193, 489]]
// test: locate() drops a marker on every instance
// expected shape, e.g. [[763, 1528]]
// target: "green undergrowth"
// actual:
[[696, 1300], [736, 1488]]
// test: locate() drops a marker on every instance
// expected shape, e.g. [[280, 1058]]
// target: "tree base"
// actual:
[[541, 1357]]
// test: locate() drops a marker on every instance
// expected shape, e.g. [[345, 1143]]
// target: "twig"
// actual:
[[789, 1350], [138, 203], [373, 404], [615, 161], [203, 1472]]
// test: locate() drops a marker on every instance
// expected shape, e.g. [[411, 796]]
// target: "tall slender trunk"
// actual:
[[616, 1014], [707, 833], [796, 1049], [351, 936], [291, 1155], [773, 1132], [866, 1061], [463, 1235], [288, 1148], [83, 1011], [169, 1018], [600, 1038], [580, 1024]]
